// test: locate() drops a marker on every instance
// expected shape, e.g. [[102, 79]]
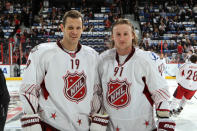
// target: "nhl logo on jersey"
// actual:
[[75, 86], [118, 95]]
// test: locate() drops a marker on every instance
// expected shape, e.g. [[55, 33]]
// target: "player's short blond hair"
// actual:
[[127, 22]]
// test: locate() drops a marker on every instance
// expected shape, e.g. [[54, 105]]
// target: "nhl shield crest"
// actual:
[[75, 86], [118, 95]]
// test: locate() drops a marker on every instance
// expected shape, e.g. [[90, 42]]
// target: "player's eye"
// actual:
[[70, 28], [118, 34], [78, 28], [125, 34]]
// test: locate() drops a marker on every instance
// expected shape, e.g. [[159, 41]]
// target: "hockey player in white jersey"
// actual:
[[159, 61], [129, 86], [58, 82], [187, 85]]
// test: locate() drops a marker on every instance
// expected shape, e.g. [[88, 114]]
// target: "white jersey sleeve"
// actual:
[[97, 101], [159, 92], [187, 76], [32, 79]]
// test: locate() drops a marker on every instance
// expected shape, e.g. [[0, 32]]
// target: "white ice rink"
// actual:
[[186, 121]]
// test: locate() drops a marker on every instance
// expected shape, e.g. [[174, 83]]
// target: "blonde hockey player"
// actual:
[[58, 82], [129, 85]]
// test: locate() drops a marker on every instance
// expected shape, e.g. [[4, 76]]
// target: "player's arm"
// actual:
[[160, 94], [29, 93], [161, 100], [98, 117]]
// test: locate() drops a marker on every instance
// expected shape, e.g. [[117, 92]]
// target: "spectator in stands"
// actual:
[[25, 16], [107, 24], [1, 34], [156, 33], [158, 47], [25, 33], [16, 22], [182, 14], [165, 46], [146, 38], [195, 43], [24, 60], [12, 40], [42, 31], [172, 47], [111, 17], [178, 59], [188, 55], [18, 39], [179, 50], [83, 4], [195, 9], [162, 28], [166, 58], [146, 46], [137, 31]]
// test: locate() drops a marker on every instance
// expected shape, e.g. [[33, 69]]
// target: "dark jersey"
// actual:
[[4, 94]]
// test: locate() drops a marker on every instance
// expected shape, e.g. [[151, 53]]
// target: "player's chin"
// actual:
[[76, 41], [122, 47]]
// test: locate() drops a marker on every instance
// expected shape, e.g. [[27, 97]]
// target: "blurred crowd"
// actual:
[[166, 27]]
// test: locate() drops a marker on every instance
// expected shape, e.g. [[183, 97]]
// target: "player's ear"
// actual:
[[62, 27], [83, 27], [133, 35]]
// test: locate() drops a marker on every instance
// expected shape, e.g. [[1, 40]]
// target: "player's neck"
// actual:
[[68, 46], [123, 52]]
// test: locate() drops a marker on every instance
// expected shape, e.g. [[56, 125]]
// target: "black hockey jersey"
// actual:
[[4, 94]]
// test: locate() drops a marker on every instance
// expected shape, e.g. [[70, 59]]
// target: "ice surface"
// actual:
[[186, 121]]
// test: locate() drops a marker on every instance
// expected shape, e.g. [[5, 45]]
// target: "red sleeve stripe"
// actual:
[[163, 110], [164, 92], [29, 88], [160, 94], [30, 104], [146, 92]]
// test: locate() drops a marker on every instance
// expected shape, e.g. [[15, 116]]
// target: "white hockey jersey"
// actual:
[[130, 89], [59, 86], [187, 76], [162, 66]]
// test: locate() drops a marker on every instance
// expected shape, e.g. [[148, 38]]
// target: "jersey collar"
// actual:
[[71, 54], [128, 57]]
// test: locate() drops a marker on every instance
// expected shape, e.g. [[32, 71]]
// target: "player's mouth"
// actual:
[[75, 37], [122, 43]]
